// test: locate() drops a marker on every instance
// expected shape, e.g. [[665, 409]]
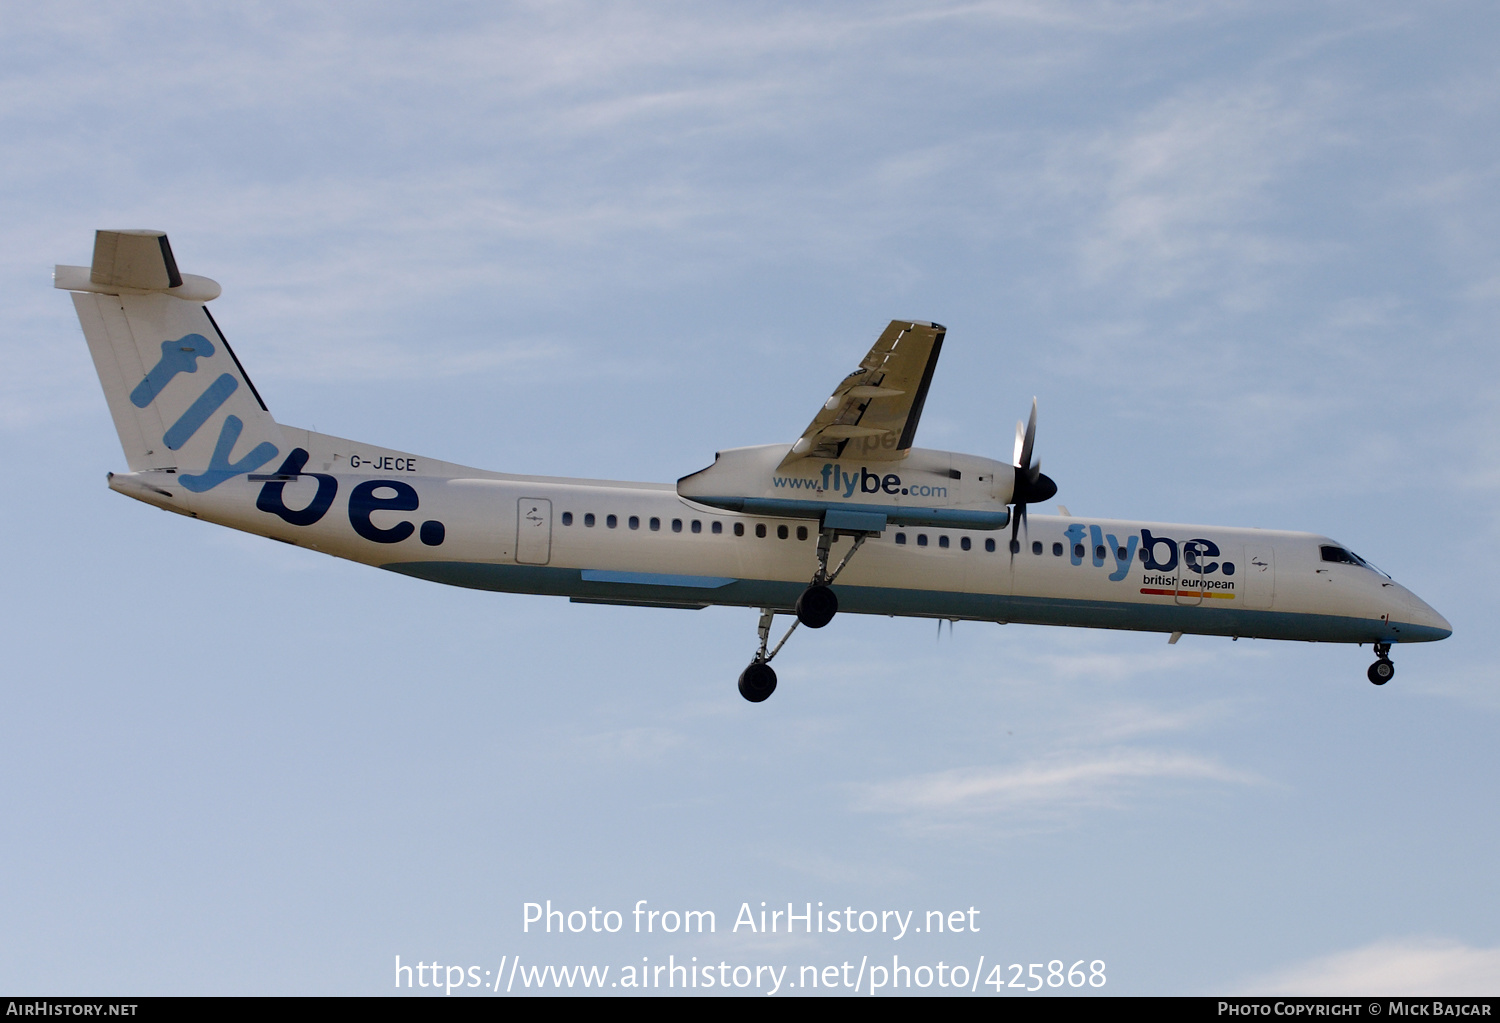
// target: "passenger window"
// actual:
[[1057, 550], [697, 526], [901, 538], [1145, 555], [801, 532], [739, 529], [611, 522], [921, 539], [943, 542], [1078, 550], [1036, 547], [1121, 554], [1099, 552], [718, 528], [760, 530], [965, 543], [567, 518], [676, 525], [655, 523], [782, 533], [1015, 546], [989, 545], [588, 520], [635, 522]]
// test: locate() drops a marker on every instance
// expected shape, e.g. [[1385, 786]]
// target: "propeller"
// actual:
[[1031, 486]]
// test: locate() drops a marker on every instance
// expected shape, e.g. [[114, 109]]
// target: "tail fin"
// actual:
[[180, 399]]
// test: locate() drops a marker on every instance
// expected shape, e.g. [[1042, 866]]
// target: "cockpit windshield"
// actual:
[[1340, 556]]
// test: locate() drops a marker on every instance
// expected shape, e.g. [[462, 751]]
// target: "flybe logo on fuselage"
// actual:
[[835, 482], [364, 500], [1171, 567]]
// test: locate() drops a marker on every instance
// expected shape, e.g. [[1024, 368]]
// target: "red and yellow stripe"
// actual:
[[1187, 593]]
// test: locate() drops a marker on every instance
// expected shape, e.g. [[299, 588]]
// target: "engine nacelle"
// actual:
[[926, 488]]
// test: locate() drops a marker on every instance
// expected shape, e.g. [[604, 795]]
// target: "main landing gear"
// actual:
[[815, 608], [759, 680], [1382, 671]]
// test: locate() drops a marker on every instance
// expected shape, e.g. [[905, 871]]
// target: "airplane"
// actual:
[[902, 530]]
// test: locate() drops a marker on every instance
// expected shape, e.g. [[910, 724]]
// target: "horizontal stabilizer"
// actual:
[[134, 263], [78, 278]]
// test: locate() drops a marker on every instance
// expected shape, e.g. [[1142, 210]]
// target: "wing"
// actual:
[[878, 405]]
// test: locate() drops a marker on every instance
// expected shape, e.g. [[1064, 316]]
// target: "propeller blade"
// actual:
[[1026, 440], [1017, 523], [1030, 485]]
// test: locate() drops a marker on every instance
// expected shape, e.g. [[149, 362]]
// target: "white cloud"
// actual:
[[1102, 780], [1412, 967], [841, 869], [1106, 665], [1472, 684], [645, 743], [1189, 185]]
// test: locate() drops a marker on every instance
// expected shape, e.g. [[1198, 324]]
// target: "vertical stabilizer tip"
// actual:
[[134, 259]]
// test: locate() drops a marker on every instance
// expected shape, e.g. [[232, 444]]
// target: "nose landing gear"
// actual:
[[1382, 671]]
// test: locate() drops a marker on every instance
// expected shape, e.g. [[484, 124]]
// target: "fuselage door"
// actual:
[[1259, 574], [1188, 590], [533, 530]]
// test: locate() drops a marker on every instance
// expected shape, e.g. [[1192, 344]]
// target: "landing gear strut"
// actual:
[[815, 608], [758, 681], [1382, 671], [818, 603]]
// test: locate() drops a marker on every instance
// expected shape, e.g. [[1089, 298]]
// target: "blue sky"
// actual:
[[1244, 255]]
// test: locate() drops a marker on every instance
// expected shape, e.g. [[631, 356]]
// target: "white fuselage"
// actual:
[[642, 543]]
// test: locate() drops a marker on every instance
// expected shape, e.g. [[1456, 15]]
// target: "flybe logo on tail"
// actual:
[[835, 481], [181, 356]]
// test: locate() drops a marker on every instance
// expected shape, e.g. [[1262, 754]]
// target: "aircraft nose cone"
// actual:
[[1433, 620], [1423, 617]]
